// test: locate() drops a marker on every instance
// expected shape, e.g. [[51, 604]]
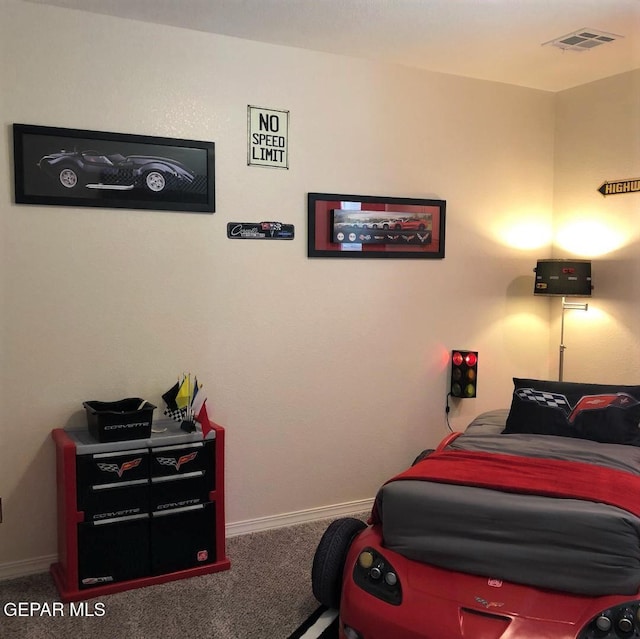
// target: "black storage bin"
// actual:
[[129, 418]]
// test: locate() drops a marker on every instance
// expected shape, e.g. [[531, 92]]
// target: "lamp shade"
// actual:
[[563, 277]]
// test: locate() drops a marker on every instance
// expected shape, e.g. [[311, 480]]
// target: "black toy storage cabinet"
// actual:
[[138, 512]]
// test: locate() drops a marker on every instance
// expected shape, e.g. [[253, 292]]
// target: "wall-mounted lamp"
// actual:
[[464, 374], [564, 278]]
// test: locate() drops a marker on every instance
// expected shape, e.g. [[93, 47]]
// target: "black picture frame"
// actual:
[[77, 167], [365, 226]]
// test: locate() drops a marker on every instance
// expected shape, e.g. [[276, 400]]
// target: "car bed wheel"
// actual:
[[328, 562], [68, 178], [155, 181]]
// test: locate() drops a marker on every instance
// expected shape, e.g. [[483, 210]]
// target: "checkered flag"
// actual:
[[176, 414], [172, 410], [543, 398]]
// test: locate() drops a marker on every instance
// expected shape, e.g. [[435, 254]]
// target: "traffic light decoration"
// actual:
[[464, 374]]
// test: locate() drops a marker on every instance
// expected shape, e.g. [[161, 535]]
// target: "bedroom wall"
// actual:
[[597, 140], [329, 375]]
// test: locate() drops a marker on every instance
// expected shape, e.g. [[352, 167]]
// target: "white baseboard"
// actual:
[[298, 517], [26, 567], [37, 565]]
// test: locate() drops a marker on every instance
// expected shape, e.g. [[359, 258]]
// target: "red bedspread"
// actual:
[[528, 475]]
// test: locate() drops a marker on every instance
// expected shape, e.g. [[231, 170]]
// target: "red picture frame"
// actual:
[[364, 226]]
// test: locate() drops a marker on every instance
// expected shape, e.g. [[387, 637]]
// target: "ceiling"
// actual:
[[498, 40]]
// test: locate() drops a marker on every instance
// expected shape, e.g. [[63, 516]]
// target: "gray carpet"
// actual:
[[265, 595]]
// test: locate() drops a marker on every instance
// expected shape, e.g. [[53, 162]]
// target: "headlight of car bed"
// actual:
[[612, 623], [374, 574]]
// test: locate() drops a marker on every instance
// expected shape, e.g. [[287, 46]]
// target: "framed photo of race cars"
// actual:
[[363, 226], [74, 167]]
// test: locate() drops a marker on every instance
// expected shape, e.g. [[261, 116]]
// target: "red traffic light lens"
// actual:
[[471, 359], [457, 359]]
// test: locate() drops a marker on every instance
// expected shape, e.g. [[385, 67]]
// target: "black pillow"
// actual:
[[602, 413]]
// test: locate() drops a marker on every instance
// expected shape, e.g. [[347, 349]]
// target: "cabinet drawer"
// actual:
[[110, 468], [113, 550], [169, 461], [106, 501], [187, 489], [182, 538]]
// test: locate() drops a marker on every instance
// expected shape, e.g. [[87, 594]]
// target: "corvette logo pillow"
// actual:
[[603, 413]]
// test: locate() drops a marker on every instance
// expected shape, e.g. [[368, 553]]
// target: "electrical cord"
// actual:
[[446, 410]]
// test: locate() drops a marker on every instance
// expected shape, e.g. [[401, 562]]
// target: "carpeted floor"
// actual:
[[265, 595]]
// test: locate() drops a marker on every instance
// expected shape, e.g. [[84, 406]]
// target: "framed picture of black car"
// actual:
[[75, 167]]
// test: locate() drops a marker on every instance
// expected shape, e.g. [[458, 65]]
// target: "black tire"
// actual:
[[328, 562]]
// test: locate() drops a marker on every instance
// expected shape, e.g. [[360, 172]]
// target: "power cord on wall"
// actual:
[[446, 410]]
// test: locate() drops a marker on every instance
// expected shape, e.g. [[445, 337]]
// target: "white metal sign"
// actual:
[[268, 137]]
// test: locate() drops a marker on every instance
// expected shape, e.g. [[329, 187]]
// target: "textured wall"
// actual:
[[598, 140], [329, 375]]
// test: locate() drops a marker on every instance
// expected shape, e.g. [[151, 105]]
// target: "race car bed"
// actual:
[[526, 525]]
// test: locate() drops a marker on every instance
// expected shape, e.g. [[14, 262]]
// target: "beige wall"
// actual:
[[329, 375], [598, 140]]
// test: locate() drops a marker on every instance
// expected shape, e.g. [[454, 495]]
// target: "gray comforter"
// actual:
[[563, 544]]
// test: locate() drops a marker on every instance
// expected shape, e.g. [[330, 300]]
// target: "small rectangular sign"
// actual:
[[268, 132], [619, 186], [259, 231]]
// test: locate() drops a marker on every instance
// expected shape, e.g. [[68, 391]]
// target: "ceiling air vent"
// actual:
[[583, 39]]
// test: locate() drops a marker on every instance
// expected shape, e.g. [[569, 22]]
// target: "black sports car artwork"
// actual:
[[96, 170], [72, 167]]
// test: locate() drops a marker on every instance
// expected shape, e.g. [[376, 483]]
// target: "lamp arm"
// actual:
[[562, 346]]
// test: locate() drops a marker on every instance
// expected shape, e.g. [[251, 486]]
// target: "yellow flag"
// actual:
[[185, 392]]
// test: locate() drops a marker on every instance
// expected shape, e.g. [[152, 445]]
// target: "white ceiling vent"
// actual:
[[583, 39]]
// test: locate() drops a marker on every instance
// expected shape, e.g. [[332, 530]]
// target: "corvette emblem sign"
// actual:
[[176, 462], [489, 604], [120, 470]]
